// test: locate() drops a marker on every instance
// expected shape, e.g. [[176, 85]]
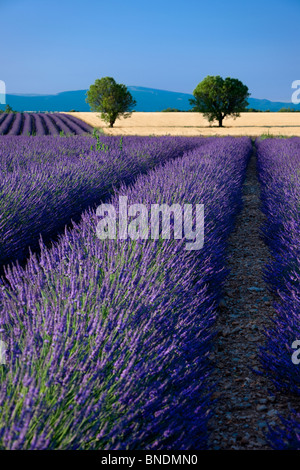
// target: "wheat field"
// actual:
[[193, 124]]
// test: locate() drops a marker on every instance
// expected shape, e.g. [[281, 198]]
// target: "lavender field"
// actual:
[[150, 232], [39, 124], [110, 343], [46, 181]]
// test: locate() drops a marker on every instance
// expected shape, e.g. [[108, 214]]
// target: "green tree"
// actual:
[[8, 109], [111, 99], [216, 98], [171, 110], [253, 110], [288, 110]]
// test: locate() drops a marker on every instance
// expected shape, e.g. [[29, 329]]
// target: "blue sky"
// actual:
[[48, 47]]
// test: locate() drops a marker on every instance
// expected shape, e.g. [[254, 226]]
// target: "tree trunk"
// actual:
[[112, 120], [220, 122]]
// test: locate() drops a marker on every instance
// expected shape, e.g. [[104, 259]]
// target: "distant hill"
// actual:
[[64, 101], [273, 106], [148, 99]]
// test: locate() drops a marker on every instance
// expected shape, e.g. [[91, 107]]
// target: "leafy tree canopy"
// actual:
[[111, 99], [8, 109], [216, 98], [288, 110], [171, 110]]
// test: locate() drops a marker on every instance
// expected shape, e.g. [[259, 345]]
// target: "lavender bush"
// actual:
[[16, 127], [39, 126], [279, 173], [27, 125], [6, 123]]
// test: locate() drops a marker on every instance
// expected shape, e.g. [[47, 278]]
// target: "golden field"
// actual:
[[193, 124]]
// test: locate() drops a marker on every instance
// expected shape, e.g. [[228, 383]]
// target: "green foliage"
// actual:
[[289, 110], [272, 136], [97, 131], [253, 110], [8, 109], [216, 98], [99, 145], [111, 99], [171, 110], [176, 110]]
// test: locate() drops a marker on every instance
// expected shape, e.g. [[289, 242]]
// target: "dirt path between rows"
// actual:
[[246, 402]]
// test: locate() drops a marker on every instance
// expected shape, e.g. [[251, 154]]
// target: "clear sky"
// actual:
[[49, 46]]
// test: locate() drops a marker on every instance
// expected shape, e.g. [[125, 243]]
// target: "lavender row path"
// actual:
[[47, 182], [246, 402], [108, 340]]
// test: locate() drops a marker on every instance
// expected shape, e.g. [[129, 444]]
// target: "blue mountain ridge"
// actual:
[[148, 100]]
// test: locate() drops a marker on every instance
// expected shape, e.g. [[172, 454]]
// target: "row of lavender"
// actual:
[[279, 173], [108, 341], [44, 182], [42, 124]]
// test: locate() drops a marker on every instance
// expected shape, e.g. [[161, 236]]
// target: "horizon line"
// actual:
[[133, 86]]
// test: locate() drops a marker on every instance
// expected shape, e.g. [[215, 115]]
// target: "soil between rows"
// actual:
[[246, 402]]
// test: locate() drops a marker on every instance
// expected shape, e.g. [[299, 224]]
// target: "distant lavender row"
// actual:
[[45, 182], [279, 173], [108, 341], [42, 124]]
